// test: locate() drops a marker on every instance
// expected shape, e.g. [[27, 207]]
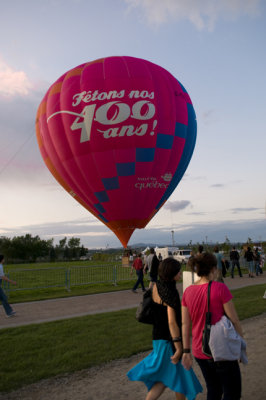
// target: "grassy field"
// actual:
[[50, 280], [59, 264], [35, 352], [54, 293], [41, 281]]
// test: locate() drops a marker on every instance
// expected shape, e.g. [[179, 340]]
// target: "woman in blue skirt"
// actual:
[[162, 367]]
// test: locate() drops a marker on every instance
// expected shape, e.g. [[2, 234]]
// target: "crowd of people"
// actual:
[[148, 264], [176, 326]]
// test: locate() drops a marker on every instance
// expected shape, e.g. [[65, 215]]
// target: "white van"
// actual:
[[180, 255]]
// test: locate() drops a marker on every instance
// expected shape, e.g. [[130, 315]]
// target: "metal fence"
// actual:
[[28, 279], [68, 277]]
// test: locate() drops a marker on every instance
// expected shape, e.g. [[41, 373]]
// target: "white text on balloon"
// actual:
[[90, 96], [128, 130], [113, 113]]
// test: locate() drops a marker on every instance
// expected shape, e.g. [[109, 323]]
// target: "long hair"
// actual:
[[168, 269], [203, 263]]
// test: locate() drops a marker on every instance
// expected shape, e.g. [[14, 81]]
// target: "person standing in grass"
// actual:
[[8, 309], [249, 256], [162, 367], [234, 257], [257, 261], [220, 260], [138, 266]]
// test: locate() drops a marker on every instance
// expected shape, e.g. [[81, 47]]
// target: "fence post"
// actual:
[[7, 285], [67, 279], [115, 275]]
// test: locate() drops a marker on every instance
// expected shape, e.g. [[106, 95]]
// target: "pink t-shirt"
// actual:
[[195, 299]]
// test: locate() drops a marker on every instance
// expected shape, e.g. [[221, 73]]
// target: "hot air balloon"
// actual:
[[118, 134]]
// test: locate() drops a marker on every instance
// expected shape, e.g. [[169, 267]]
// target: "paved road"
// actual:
[[58, 309]]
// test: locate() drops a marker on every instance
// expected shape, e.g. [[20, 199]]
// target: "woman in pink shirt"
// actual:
[[223, 379]]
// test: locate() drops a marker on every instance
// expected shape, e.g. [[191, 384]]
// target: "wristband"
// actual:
[[186, 350], [177, 339]]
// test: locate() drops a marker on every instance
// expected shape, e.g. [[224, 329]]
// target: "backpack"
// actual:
[[144, 311]]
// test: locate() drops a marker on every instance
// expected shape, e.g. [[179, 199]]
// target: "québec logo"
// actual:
[[167, 177]]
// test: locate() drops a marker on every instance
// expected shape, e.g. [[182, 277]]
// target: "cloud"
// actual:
[[89, 225], [218, 185], [197, 213], [194, 178], [13, 82], [202, 14], [20, 153], [175, 206], [94, 234], [208, 117], [243, 209], [91, 231], [229, 183], [216, 231]]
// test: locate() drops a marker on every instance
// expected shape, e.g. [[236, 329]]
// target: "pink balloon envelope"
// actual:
[[118, 134]]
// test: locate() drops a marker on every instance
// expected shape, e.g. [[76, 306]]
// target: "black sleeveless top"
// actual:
[[160, 326]]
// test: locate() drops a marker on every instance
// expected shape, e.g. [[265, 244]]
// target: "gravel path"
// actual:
[[69, 307]]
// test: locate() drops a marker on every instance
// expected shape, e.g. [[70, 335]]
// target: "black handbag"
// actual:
[[207, 327], [144, 311]]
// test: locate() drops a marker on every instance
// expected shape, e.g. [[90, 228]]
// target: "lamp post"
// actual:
[[173, 239]]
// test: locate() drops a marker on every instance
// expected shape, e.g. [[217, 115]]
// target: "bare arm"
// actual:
[[175, 333], [186, 324], [230, 311], [5, 278]]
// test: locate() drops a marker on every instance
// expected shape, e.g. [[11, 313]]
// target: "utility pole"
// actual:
[[173, 238]]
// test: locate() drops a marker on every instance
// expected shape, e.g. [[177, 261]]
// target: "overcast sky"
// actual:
[[215, 49]]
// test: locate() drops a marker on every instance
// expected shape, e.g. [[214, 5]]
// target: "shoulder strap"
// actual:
[[209, 292]]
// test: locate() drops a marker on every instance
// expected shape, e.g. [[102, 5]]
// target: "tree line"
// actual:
[[30, 248]]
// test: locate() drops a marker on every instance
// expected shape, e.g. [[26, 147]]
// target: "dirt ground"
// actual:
[[109, 382], [37, 312]]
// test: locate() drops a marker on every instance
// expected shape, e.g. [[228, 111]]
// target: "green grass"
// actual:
[[249, 301], [39, 351], [35, 352], [59, 264], [66, 279], [53, 293]]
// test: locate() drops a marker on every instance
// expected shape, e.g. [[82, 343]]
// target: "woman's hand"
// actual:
[[187, 361], [177, 355]]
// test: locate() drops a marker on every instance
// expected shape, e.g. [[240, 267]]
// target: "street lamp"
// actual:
[[173, 239]]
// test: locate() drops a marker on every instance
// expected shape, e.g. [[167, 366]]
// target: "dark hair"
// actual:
[[216, 249], [168, 269], [152, 250], [200, 248], [1, 257], [203, 263]]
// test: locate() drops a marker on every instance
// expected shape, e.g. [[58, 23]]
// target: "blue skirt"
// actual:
[[157, 367]]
